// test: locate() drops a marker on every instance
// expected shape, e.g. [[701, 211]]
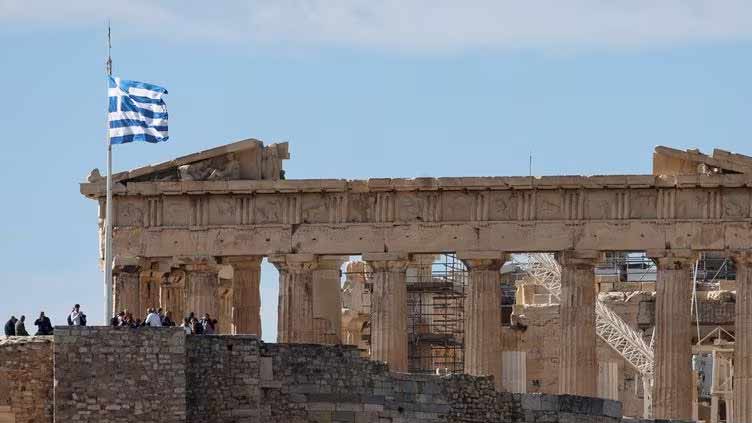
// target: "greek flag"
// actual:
[[137, 112]]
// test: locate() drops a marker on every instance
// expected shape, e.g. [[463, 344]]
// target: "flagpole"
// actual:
[[108, 309]]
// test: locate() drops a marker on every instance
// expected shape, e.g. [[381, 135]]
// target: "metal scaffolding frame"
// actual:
[[435, 303], [435, 325]]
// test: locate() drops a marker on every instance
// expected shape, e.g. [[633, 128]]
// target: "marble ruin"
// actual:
[[641, 291]]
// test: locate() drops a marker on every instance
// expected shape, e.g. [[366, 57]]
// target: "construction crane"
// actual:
[[544, 270]]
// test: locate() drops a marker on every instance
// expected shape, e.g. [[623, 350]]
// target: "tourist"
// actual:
[[10, 326], [117, 320], [187, 326], [196, 327], [153, 319], [167, 319], [21, 327], [77, 317], [43, 324], [207, 324]]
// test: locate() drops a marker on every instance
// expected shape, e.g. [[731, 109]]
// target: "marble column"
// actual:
[[514, 371], [126, 290], [327, 300], [172, 294], [295, 306], [742, 396], [483, 314], [672, 397], [608, 380], [578, 364], [201, 288], [149, 281], [246, 294], [389, 309]]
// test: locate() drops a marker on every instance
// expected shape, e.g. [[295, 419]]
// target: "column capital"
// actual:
[[741, 257], [196, 263], [387, 262], [579, 258], [126, 264], [331, 262], [673, 259], [294, 263], [243, 262], [483, 260]]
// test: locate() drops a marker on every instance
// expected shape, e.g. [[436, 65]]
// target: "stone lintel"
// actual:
[[371, 257]]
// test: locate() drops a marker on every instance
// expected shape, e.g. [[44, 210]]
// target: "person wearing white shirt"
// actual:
[[153, 319], [76, 318]]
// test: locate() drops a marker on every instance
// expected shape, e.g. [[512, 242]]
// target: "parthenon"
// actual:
[[190, 235]]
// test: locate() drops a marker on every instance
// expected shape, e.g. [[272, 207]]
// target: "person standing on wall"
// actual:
[[10, 326], [21, 327], [43, 324], [77, 317]]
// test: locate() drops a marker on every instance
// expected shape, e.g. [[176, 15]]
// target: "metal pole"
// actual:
[[108, 308]]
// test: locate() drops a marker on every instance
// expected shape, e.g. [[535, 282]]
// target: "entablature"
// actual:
[[97, 189]]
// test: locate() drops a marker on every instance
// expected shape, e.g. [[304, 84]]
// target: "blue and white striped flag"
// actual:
[[137, 112]]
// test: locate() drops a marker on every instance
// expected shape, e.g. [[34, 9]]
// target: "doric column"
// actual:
[[246, 294], [389, 309], [295, 306], [327, 300], [608, 380], [578, 364], [172, 294], [483, 314], [514, 371], [742, 396], [126, 290], [201, 287], [673, 350]]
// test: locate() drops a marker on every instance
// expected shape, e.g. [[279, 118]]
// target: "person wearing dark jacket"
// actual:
[[43, 324], [10, 326]]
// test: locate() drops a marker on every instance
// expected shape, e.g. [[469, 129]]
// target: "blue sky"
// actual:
[[359, 89]]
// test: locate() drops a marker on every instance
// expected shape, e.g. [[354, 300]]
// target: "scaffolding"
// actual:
[[435, 303], [435, 312]]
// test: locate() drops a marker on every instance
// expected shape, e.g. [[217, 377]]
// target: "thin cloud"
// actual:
[[405, 24]]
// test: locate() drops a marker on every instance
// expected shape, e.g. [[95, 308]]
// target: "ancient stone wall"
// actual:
[[222, 379], [160, 375], [307, 382], [120, 375], [26, 379]]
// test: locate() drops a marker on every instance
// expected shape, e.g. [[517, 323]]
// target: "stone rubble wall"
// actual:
[[119, 375], [26, 379], [333, 384], [222, 378], [159, 375]]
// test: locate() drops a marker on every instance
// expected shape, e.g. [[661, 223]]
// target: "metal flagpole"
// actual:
[[108, 309]]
